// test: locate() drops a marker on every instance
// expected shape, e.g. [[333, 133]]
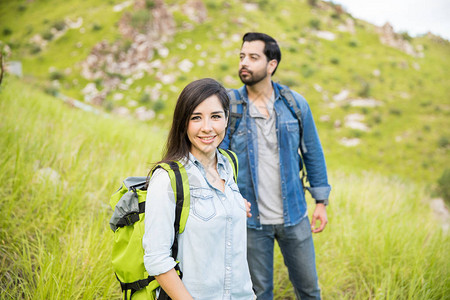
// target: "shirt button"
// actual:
[[229, 244], [229, 219]]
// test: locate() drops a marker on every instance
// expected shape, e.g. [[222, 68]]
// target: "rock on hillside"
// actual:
[[132, 55]]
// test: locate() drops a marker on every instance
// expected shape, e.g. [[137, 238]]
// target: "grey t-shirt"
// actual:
[[270, 202]]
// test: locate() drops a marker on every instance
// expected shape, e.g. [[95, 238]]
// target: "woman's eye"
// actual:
[[216, 116], [195, 118]]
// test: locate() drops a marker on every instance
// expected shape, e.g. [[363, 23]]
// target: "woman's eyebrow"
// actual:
[[214, 112]]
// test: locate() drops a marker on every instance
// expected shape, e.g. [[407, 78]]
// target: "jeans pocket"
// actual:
[[203, 203]]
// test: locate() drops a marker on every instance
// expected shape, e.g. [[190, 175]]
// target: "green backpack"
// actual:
[[127, 222]]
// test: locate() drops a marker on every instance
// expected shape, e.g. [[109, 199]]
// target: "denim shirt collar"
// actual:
[[221, 165]]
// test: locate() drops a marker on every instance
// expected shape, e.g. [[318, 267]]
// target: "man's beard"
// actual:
[[253, 78]]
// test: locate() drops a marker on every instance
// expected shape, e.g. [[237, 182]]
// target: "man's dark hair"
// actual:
[[271, 49]]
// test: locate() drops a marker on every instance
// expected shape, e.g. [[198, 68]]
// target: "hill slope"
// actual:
[[377, 107]]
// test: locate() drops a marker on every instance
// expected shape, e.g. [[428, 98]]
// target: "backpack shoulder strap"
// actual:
[[295, 108], [236, 110], [180, 186], [231, 156]]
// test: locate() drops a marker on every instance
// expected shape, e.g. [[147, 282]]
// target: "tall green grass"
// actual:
[[382, 242], [58, 166]]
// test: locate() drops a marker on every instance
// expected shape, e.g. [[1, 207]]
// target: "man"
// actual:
[[267, 138]]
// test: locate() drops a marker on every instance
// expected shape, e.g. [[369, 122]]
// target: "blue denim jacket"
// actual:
[[244, 143]]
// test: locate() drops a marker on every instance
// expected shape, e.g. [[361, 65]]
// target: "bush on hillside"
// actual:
[[7, 31], [59, 25], [56, 75], [314, 24], [443, 142], [353, 43], [444, 186], [47, 35]]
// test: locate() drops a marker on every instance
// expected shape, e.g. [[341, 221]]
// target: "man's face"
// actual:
[[253, 65]]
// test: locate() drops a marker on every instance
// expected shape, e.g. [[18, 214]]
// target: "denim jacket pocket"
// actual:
[[292, 126], [293, 134], [203, 203], [239, 141]]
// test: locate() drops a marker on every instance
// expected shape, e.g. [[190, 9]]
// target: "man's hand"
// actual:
[[320, 214], [248, 205]]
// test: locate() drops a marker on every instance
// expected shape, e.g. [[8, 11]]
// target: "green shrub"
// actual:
[[150, 4], [224, 67], [406, 36], [353, 43], [34, 49], [444, 186], [22, 7], [315, 24], [56, 75], [47, 35], [443, 142], [51, 90], [97, 27], [59, 25], [365, 89], [334, 60], [7, 31], [159, 105], [395, 111]]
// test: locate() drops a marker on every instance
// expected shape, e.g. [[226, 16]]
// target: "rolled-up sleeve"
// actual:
[[159, 219], [314, 158]]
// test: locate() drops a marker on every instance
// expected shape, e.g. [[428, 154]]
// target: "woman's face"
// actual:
[[206, 128]]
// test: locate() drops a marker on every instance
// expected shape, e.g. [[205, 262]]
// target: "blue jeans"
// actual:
[[297, 247]]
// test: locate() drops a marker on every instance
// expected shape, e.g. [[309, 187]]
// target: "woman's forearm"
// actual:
[[173, 286]]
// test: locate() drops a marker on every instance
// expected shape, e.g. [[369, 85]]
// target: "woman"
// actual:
[[212, 248]]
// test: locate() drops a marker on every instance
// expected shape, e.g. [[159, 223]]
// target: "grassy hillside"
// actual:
[[59, 166], [406, 135]]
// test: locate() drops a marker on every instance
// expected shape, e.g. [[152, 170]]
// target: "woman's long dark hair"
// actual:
[[178, 144]]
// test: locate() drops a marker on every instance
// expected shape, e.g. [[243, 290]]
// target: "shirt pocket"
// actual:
[[203, 203]]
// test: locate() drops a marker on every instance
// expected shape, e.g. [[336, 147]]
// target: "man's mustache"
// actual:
[[245, 69]]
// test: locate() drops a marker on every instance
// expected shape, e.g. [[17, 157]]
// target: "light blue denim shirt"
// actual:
[[245, 144], [213, 248]]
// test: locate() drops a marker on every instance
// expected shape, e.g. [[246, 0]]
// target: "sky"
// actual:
[[413, 16]]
